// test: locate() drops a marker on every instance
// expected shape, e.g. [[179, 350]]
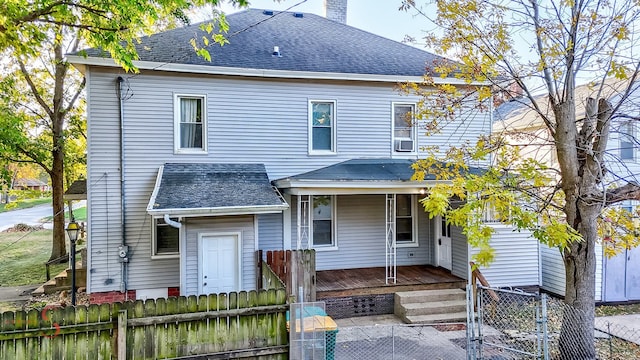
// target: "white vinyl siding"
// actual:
[[242, 135], [270, 233], [190, 124], [516, 260], [322, 127], [553, 272]]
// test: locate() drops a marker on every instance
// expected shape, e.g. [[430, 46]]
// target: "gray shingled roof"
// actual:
[[214, 186], [76, 191], [366, 170], [308, 43]]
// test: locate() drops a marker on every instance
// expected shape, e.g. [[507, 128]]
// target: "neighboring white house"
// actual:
[[616, 279], [182, 158]]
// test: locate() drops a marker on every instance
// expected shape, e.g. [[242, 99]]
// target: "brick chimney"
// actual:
[[336, 10]]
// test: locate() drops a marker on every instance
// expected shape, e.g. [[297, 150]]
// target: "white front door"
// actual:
[[219, 263], [443, 243]]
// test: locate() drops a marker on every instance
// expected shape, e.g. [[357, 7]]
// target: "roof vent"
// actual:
[[276, 52], [298, 15], [268, 12]]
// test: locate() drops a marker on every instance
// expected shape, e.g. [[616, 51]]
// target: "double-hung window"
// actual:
[[405, 222], [627, 135], [404, 133], [190, 129], [322, 221], [322, 127], [166, 239]]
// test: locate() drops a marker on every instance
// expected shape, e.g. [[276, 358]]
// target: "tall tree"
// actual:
[[540, 46], [40, 90]]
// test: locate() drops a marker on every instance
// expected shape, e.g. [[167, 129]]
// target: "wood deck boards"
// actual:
[[367, 281]]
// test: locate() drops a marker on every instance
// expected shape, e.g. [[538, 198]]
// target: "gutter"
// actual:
[[80, 61]]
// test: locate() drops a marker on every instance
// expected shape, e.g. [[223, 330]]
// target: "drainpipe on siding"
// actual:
[[123, 261]]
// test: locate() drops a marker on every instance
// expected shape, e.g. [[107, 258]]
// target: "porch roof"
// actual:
[[369, 175], [213, 189]]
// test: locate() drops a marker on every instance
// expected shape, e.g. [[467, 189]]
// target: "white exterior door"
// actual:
[[219, 263], [443, 243]]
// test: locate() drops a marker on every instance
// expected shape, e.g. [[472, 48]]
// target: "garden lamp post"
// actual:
[[73, 229]]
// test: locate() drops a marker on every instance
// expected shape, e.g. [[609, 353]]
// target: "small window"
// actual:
[[627, 134], [322, 221], [190, 124], [405, 232], [322, 127], [404, 133], [166, 239]]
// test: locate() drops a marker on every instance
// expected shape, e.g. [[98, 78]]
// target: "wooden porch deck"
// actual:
[[371, 281]]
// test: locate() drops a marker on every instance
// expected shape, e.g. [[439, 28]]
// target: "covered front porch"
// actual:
[[371, 281]]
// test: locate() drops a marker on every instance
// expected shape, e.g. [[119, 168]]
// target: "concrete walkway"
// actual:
[[16, 293], [387, 337], [625, 327]]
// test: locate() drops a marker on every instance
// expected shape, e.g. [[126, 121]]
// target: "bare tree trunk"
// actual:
[[576, 337], [58, 247]]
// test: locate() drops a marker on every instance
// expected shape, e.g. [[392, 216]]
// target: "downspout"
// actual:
[[168, 221], [123, 260]]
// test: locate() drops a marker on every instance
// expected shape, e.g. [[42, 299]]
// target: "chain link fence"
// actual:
[[518, 325]]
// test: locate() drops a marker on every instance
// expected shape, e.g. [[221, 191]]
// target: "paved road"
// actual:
[[30, 216]]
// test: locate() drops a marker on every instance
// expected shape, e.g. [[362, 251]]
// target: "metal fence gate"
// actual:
[[507, 324]]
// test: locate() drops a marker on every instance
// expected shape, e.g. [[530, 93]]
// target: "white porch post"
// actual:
[[390, 248], [304, 216]]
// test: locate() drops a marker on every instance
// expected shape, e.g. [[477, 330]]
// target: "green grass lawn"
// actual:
[[24, 204], [80, 214], [23, 257]]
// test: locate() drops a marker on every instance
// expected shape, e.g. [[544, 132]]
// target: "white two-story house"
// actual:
[[293, 136]]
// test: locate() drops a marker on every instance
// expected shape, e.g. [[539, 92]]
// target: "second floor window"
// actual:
[[322, 127], [404, 133], [190, 127], [627, 134]]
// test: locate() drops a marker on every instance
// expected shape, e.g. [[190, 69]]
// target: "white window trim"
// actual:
[[154, 243], [414, 131], [176, 124], [334, 227], [334, 144], [414, 226]]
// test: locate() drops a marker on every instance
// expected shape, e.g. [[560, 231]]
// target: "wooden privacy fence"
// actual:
[[235, 325], [297, 269]]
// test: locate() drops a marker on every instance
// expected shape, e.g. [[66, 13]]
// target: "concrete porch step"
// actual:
[[437, 318], [421, 296], [431, 306]]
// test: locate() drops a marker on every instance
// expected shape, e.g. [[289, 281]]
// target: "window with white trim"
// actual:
[[166, 239], [322, 127], [405, 220], [627, 134], [404, 133], [322, 221], [190, 129]]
